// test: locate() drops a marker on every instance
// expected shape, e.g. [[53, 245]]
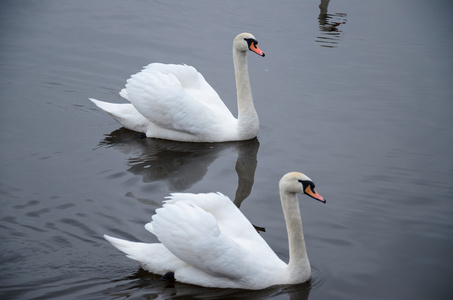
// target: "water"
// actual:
[[359, 99]]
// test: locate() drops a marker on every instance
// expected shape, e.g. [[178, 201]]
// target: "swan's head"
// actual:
[[296, 182], [246, 41]]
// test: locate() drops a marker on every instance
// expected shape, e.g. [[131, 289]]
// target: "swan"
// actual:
[[205, 240], [174, 102]]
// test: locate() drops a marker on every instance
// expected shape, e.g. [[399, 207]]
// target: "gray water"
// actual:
[[358, 97]]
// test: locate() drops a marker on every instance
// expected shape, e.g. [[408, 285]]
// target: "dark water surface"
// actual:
[[359, 97]]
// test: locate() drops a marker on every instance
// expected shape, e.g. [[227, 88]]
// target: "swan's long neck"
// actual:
[[298, 265], [247, 116]]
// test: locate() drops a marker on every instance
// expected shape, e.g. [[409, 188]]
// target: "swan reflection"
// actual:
[[142, 284], [181, 165], [329, 26]]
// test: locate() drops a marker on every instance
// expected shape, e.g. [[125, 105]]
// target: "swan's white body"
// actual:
[[175, 102], [205, 240]]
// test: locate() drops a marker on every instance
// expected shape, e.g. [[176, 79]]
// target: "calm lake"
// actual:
[[358, 95]]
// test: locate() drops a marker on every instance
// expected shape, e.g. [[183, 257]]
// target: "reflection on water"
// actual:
[[144, 285], [329, 26], [181, 165]]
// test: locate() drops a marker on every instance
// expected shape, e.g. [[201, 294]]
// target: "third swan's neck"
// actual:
[[247, 116], [298, 260]]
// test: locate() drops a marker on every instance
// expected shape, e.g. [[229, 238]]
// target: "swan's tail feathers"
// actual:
[[131, 249], [125, 114], [113, 109], [152, 257]]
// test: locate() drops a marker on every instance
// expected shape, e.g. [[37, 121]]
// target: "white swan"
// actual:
[[175, 102], [205, 240]]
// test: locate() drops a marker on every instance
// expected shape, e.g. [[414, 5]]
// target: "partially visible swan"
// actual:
[[205, 240], [175, 102]]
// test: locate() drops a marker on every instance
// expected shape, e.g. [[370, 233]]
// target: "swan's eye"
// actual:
[[251, 42], [307, 183]]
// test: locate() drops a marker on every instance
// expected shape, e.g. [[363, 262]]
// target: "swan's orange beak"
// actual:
[[253, 47], [312, 193]]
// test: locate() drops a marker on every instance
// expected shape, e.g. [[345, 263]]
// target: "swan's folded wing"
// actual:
[[229, 218], [178, 101], [192, 235]]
